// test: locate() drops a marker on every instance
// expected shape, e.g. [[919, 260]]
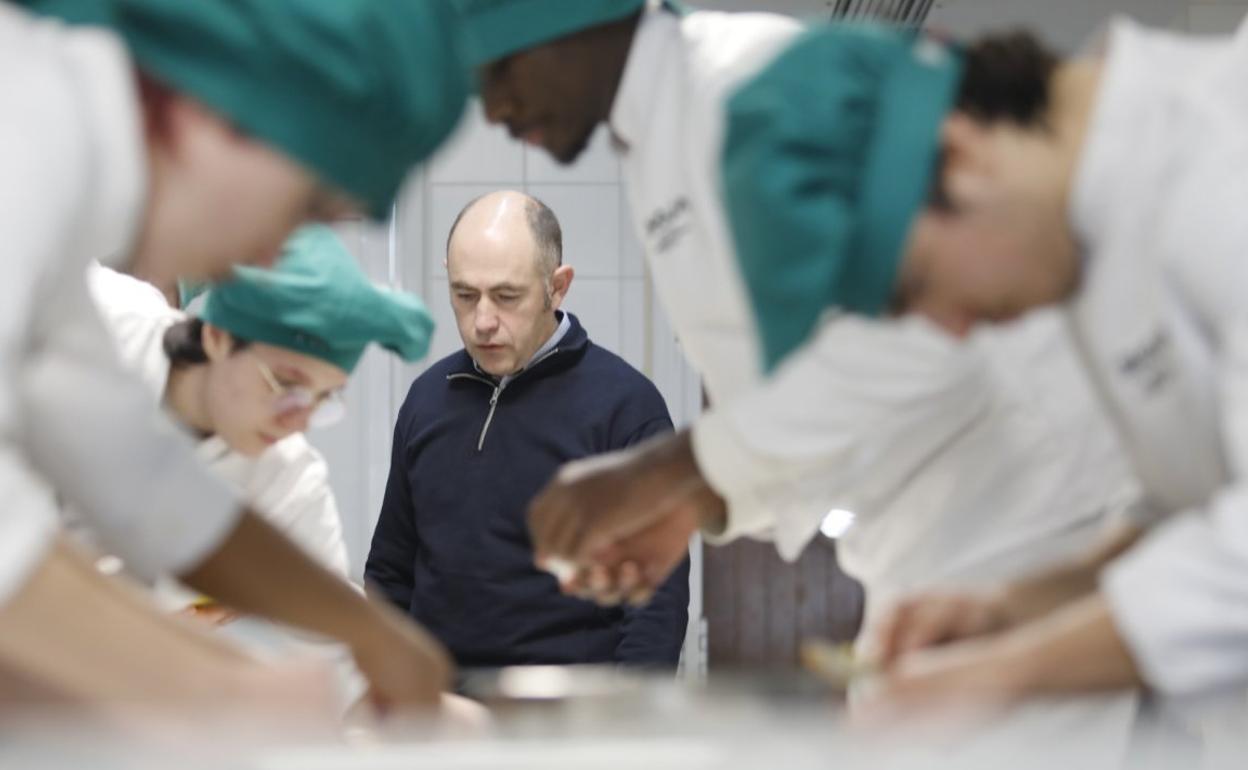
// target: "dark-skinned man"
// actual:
[[775, 459], [936, 448]]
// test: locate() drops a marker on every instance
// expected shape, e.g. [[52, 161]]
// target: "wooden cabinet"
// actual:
[[758, 607]]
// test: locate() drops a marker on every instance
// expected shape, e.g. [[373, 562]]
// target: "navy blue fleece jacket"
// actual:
[[452, 546]]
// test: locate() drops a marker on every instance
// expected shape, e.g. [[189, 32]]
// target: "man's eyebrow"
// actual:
[[505, 286]]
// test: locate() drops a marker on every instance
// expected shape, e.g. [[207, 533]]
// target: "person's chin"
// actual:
[[490, 360], [496, 369], [253, 444], [569, 152]]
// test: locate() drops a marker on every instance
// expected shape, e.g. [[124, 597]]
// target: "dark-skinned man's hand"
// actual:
[[632, 569], [623, 520]]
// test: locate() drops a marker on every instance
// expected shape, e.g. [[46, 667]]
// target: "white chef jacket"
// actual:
[[72, 421], [1159, 206], [964, 463], [961, 462], [287, 484]]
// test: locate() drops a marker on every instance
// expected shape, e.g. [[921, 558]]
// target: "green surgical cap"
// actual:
[[72, 11], [358, 91], [318, 302], [189, 291], [499, 28], [828, 157]]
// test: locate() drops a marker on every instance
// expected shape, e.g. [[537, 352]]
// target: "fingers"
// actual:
[[561, 517], [637, 565], [927, 621], [593, 503], [604, 585], [928, 624], [546, 516], [611, 585], [972, 679], [633, 586]]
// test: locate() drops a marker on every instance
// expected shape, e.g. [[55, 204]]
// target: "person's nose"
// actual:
[[496, 106], [486, 319], [295, 421]]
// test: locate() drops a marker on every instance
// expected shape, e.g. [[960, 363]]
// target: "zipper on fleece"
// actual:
[[489, 417], [498, 391]]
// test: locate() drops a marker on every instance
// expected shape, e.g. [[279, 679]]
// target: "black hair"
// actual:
[[1006, 78], [184, 343]]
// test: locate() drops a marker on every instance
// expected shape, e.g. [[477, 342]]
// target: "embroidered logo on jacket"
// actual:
[[1151, 365], [667, 225]]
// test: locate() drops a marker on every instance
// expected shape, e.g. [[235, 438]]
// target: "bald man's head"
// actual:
[[544, 231], [504, 259]]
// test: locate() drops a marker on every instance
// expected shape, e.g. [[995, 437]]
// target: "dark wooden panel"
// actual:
[[814, 606], [845, 601], [719, 565], [759, 608], [750, 584], [782, 615]]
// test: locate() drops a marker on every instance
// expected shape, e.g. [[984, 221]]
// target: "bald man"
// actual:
[[483, 430]]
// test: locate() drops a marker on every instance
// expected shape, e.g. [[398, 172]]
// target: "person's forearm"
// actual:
[[399, 597], [1039, 594], [94, 638], [675, 461], [258, 571], [1075, 649]]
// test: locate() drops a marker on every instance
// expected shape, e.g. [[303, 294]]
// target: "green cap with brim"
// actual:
[[357, 91], [316, 301], [828, 157], [498, 28]]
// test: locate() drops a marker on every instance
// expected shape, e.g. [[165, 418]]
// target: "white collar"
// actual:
[[565, 323], [1092, 197], [634, 101]]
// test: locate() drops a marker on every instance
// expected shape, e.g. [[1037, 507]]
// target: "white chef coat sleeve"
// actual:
[[68, 413], [137, 316], [91, 429], [292, 492], [31, 229], [27, 522], [1180, 599], [843, 423]]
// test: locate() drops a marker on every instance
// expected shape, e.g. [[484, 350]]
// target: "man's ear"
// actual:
[[217, 342], [560, 282], [967, 169]]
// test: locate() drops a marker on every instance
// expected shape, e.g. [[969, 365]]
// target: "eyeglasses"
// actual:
[[327, 408]]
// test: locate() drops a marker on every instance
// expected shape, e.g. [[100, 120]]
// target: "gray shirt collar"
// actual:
[[561, 330]]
